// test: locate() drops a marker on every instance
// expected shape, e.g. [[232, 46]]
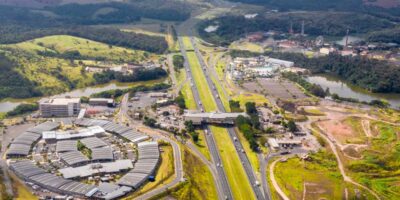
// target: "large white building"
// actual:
[[213, 118], [60, 107]]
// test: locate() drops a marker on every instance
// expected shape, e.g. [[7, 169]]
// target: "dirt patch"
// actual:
[[316, 191], [352, 152], [339, 130]]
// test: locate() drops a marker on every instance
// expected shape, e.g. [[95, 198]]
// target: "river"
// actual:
[[9, 104], [345, 89]]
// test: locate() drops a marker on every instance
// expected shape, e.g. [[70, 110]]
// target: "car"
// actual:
[[285, 152], [235, 138]]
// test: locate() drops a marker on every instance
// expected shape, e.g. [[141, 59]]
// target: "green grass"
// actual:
[[89, 48], [235, 173], [201, 145], [200, 183], [187, 44], [314, 112], [247, 46], [250, 97], [321, 171], [188, 95], [378, 169], [201, 83], [221, 94]]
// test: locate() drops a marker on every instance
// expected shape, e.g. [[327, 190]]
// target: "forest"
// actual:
[[137, 75], [233, 27]]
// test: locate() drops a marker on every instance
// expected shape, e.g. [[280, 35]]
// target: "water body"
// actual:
[[345, 89], [9, 104]]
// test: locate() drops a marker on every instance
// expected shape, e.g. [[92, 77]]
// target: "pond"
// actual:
[[345, 89]]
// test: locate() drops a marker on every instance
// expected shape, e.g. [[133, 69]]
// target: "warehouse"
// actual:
[[66, 145], [134, 137], [27, 138], [104, 154], [46, 126], [18, 150], [101, 102], [213, 118], [73, 158], [93, 142], [91, 122], [28, 171], [112, 191], [96, 168], [51, 136]]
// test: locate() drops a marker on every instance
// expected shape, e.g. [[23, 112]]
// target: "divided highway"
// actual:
[[232, 133], [223, 181]]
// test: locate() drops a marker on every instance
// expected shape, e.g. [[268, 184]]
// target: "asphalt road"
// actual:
[[223, 181], [157, 135], [232, 132]]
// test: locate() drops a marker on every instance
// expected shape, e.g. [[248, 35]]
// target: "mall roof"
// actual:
[[102, 154], [73, 157], [134, 137], [92, 169], [132, 180], [65, 135], [27, 138], [66, 145], [26, 168], [91, 122], [18, 150], [93, 142], [46, 126]]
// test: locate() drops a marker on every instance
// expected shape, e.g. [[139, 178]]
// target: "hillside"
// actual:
[[50, 65]]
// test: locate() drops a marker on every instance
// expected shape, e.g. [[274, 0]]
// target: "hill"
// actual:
[[50, 65]]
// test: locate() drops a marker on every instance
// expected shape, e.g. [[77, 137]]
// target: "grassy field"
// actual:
[[356, 127], [201, 83], [187, 44], [222, 96], [200, 183], [378, 169], [164, 175], [21, 192], [53, 74], [314, 112], [250, 97], [247, 46], [188, 95], [64, 43], [236, 175]]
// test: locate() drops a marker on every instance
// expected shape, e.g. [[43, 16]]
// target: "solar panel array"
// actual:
[[28, 171], [146, 165], [21, 145]]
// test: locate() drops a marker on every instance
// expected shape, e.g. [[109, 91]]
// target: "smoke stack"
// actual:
[[291, 28], [302, 27], [347, 37]]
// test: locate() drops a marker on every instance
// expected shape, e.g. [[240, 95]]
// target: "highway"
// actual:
[[223, 181], [232, 132]]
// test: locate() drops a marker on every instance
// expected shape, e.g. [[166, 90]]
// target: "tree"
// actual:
[[291, 125], [189, 126], [251, 108]]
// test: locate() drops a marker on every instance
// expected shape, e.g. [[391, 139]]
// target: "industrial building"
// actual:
[[199, 118], [60, 107], [101, 102], [276, 144]]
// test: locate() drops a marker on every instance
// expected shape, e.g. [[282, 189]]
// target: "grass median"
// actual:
[[237, 178]]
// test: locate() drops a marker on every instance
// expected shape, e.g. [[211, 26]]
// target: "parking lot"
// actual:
[[277, 88]]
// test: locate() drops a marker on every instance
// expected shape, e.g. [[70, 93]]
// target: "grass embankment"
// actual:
[[378, 169], [187, 44], [200, 183], [250, 154], [236, 175], [21, 192], [165, 172]]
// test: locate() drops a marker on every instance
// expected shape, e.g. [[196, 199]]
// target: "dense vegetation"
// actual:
[[235, 106], [249, 126], [137, 75], [141, 88], [178, 61], [233, 27], [374, 75], [386, 35], [12, 83], [22, 109]]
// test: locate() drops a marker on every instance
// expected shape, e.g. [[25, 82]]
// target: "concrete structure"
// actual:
[[212, 118], [101, 102], [60, 107]]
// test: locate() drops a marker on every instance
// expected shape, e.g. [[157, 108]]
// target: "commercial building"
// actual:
[[212, 118], [60, 107], [101, 102]]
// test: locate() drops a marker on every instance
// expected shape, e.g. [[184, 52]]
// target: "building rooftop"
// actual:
[[60, 101], [96, 168]]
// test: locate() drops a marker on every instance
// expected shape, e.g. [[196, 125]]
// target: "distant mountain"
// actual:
[[43, 3]]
